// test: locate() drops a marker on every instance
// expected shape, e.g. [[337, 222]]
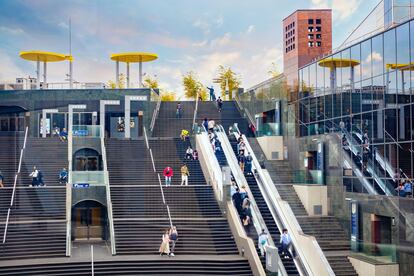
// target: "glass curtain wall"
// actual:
[[365, 89]]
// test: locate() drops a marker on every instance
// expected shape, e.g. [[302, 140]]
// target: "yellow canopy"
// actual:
[[44, 56], [400, 66], [338, 62], [134, 57]]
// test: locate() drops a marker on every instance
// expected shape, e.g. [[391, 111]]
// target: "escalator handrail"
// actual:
[[258, 220], [265, 190]]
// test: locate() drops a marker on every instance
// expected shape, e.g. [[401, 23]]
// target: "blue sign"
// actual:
[[354, 225], [81, 132], [81, 185]]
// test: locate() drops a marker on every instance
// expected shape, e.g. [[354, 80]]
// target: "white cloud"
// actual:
[[219, 21], [200, 44], [11, 30], [250, 29], [12, 71], [375, 56], [206, 24], [342, 9], [203, 25], [63, 25], [221, 41]]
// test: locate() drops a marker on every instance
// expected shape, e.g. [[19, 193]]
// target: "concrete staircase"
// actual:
[[159, 266], [37, 226]]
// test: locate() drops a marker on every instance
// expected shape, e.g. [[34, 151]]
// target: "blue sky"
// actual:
[[187, 35]]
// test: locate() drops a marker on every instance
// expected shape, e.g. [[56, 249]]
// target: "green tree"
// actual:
[[122, 81], [150, 82], [228, 79], [168, 96], [193, 88], [111, 84], [273, 70]]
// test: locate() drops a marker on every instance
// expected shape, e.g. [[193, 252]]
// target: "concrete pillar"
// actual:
[[44, 75], [127, 64], [38, 74], [117, 73], [140, 74]]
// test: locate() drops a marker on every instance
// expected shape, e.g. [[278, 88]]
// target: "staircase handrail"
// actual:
[[195, 113], [146, 137], [238, 175], [69, 195], [265, 185], [108, 193], [216, 170], [155, 113], [15, 184]]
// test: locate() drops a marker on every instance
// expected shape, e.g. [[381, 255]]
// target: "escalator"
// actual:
[[272, 228], [352, 150]]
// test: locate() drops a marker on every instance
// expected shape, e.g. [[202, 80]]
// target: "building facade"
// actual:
[[306, 34]]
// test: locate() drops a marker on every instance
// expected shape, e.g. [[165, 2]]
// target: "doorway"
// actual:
[[89, 221], [87, 159]]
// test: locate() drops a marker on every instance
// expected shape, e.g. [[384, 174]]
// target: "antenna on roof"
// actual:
[[70, 55]]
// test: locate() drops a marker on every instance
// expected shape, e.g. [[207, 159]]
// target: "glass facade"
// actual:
[[366, 89]]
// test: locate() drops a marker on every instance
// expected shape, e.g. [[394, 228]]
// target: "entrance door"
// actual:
[[89, 220]]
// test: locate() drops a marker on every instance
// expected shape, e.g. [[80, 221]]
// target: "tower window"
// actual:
[[318, 21], [310, 36], [318, 36], [310, 21], [310, 44], [318, 28], [310, 29], [318, 44]]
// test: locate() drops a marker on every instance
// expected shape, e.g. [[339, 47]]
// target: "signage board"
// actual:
[[81, 185]]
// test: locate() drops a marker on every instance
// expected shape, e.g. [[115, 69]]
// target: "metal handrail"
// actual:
[[258, 222], [155, 114], [162, 190], [92, 262], [146, 138], [195, 112], [14, 185], [271, 202], [108, 194], [69, 196]]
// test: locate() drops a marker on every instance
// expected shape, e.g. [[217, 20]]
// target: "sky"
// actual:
[[187, 35]]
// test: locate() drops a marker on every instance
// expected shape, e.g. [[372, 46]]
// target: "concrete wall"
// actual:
[[313, 195], [271, 144], [365, 268], [245, 245]]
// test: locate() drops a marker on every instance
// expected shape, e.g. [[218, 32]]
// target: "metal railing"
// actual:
[[15, 184], [108, 194], [159, 177], [267, 189], [258, 221], [155, 114], [195, 113], [69, 197]]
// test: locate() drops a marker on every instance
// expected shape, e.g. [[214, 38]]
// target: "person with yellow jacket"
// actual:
[[184, 175]]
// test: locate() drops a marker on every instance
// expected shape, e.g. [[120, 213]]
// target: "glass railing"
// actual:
[[88, 178], [268, 129], [375, 252], [86, 131]]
